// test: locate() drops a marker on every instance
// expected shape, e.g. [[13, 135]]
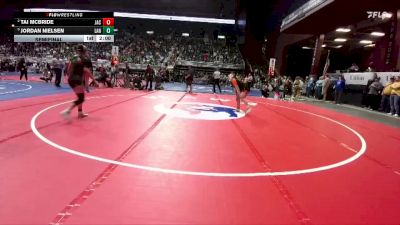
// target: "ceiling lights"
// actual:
[[343, 30], [150, 32], [369, 46], [339, 46], [378, 34], [324, 45], [340, 40], [185, 34], [221, 37], [366, 42]]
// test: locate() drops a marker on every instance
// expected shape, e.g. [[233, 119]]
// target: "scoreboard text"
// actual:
[[64, 27]]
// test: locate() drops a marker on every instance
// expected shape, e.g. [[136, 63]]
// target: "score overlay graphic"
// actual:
[[64, 27]]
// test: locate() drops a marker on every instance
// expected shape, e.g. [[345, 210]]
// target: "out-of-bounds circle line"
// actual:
[[210, 174], [20, 90]]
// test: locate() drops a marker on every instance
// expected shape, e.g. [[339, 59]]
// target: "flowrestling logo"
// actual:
[[199, 111], [377, 14]]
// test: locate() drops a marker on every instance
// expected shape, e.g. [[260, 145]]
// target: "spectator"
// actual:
[[297, 85], [266, 89], [276, 85], [104, 78], [339, 88], [310, 86], [318, 88], [288, 87], [354, 68], [371, 67], [281, 88], [47, 76], [325, 87], [374, 94], [395, 98], [385, 102], [364, 100]]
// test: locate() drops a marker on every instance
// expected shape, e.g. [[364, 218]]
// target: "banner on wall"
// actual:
[[115, 50], [271, 69], [362, 78], [385, 76], [391, 43], [114, 55]]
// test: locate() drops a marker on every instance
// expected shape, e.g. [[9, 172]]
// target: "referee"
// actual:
[[217, 77], [58, 68]]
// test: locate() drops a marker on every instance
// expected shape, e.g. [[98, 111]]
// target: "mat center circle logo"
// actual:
[[199, 111]]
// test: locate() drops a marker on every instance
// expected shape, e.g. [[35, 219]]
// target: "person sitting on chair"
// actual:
[[137, 83], [47, 75], [103, 78]]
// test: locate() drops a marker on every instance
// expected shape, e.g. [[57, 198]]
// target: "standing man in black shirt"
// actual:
[[58, 68], [189, 79], [23, 69], [149, 74]]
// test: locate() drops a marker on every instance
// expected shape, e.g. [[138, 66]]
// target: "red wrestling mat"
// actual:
[[174, 158]]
